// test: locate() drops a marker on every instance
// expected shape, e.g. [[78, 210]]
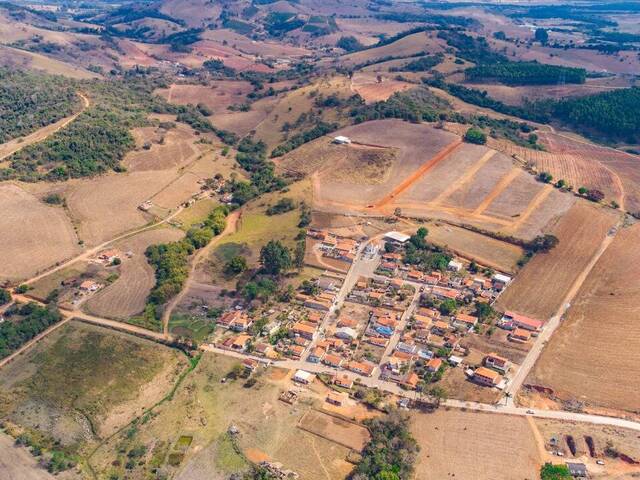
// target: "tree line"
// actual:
[[526, 73], [24, 323]]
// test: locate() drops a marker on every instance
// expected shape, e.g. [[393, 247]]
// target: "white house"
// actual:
[[396, 237], [303, 377], [455, 266]]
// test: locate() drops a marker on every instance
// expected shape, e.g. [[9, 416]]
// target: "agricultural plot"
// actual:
[[218, 95], [241, 123], [25, 223], [543, 283], [482, 446], [81, 374], [593, 358], [128, 294], [337, 430], [372, 90]]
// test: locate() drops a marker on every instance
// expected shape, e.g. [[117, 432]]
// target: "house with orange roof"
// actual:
[[317, 355], [495, 361], [363, 368], [520, 335], [464, 321], [296, 351], [440, 327], [343, 380], [304, 330], [332, 360], [487, 377], [434, 365], [411, 380], [512, 320], [240, 342]]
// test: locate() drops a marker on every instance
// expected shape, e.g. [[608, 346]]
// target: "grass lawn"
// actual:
[[198, 329]]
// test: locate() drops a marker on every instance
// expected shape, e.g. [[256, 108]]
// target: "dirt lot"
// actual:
[[24, 223], [367, 86], [484, 250], [17, 463], [127, 295], [217, 96], [544, 282], [593, 357], [457, 384], [472, 445], [12, 57], [241, 123], [335, 429]]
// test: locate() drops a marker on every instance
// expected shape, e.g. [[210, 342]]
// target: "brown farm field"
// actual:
[[594, 357], [544, 282], [35, 235], [474, 445], [367, 86], [128, 294], [218, 95]]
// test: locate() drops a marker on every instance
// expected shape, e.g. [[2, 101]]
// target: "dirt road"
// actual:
[[15, 145], [231, 227]]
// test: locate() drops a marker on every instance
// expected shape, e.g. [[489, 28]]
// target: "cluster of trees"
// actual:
[[526, 73], [424, 255], [414, 105], [29, 101], [349, 44], [171, 260], [614, 115], [33, 320], [252, 156], [279, 23], [391, 451], [472, 49], [321, 128], [423, 64], [283, 205], [475, 135]]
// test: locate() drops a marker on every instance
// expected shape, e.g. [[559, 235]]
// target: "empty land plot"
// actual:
[[246, 45], [34, 235], [472, 192], [416, 145], [541, 286], [241, 123], [547, 205], [342, 432], [410, 45], [12, 57], [511, 195], [128, 294], [106, 206], [218, 95], [594, 356], [371, 90], [484, 250], [479, 446], [444, 176], [83, 373]]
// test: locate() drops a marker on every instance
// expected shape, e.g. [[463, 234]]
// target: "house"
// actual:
[[421, 321], [318, 303], [375, 297], [229, 317], [406, 348], [495, 361], [464, 321], [241, 323], [396, 237], [317, 355], [445, 293], [346, 333], [240, 342], [520, 335], [392, 257], [440, 327], [89, 286], [500, 281], [336, 398], [411, 380], [296, 351], [396, 284], [454, 360], [303, 377], [109, 255], [578, 470], [264, 350], [511, 320], [434, 365], [347, 322], [332, 360], [250, 364], [377, 341], [415, 275], [430, 279], [423, 334], [314, 317], [304, 330], [390, 267], [362, 368], [341, 140], [486, 377], [343, 380], [454, 266], [326, 283]]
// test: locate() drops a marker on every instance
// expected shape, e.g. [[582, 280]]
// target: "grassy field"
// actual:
[[190, 327], [83, 382], [204, 409]]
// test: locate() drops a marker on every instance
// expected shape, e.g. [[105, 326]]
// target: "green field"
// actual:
[[197, 329]]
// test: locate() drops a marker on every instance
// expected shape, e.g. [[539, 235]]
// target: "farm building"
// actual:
[[511, 320], [578, 470], [396, 237]]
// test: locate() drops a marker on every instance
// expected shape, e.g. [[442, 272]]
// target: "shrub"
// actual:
[[475, 135]]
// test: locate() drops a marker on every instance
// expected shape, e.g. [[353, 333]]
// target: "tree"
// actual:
[[484, 310], [595, 195], [438, 394], [475, 135], [545, 177], [5, 296], [299, 253], [275, 258], [554, 472], [349, 43], [544, 243], [541, 35], [309, 288], [448, 306], [236, 265], [582, 190]]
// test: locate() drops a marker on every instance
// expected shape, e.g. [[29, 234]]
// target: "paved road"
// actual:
[[395, 338]]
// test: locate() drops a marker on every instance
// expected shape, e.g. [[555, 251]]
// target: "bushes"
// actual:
[[35, 319], [414, 105], [423, 64], [281, 206], [349, 44], [320, 129], [474, 135]]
